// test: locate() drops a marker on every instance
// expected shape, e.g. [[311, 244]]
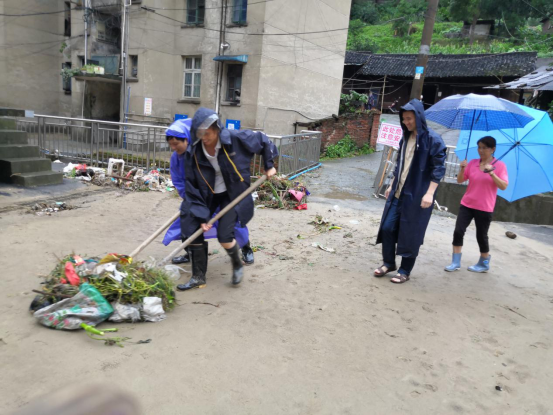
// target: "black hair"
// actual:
[[168, 137], [488, 141]]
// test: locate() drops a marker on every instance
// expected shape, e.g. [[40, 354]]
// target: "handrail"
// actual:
[[101, 122]]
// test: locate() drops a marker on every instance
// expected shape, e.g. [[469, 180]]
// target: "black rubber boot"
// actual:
[[247, 254], [237, 267], [198, 254], [183, 259]]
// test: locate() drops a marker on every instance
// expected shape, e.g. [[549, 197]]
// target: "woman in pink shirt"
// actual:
[[485, 176]]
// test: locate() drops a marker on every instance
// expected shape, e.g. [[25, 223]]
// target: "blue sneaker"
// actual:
[[455, 263], [483, 265]]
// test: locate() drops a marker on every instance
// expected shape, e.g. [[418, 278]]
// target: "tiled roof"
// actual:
[[445, 66], [541, 79]]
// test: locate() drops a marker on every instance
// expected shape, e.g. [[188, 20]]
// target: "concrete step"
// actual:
[[6, 124], [13, 151], [42, 178], [9, 167], [13, 137]]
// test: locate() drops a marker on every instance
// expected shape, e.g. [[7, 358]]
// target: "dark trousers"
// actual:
[[390, 233], [225, 227], [482, 220]]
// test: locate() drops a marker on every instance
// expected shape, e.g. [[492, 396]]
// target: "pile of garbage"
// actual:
[[45, 209], [134, 179], [280, 193], [88, 291]]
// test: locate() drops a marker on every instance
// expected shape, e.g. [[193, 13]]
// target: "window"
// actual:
[[239, 11], [67, 19], [106, 32], [196, 11], [134, 66], [66, 82], [192, 77], [234, 82]]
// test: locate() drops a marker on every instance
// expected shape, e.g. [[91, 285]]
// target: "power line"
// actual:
[[248, 34], [210, 8], [36, 14]]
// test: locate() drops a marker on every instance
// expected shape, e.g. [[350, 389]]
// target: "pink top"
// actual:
[[482, 191]]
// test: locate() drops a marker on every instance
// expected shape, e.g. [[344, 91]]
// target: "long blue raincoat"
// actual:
[[428, 165]]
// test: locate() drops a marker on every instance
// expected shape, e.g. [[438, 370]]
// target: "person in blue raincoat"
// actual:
[[178, 138], [217, 167], [419, 168]]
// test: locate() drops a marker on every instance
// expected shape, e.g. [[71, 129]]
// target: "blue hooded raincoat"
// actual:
[[238, 148], [428, 165]]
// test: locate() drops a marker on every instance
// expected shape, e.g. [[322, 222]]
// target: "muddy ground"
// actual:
[[307, 331]]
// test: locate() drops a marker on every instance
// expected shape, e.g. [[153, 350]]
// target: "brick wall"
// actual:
[[361, 127]]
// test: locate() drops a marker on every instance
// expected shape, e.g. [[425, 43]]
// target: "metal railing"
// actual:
[[388, 164], [296, 152], [94, 142]]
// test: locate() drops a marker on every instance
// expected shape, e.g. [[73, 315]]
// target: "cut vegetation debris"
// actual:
[[280, 193], [323, 225]]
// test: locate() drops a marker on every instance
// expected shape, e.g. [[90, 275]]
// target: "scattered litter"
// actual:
[[498, 388], [323, 224], [144, 341], [201, 302], [134, 179], [95, 334], [324, 248], [125, 313], [354, 222], [45, 209], [336, 208], [285, 257], [301, 207], [256, 248], [348, 235], [511, 235]]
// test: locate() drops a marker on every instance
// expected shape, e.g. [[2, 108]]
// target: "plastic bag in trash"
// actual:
[[125, 312], [87, 306], [152, 309]]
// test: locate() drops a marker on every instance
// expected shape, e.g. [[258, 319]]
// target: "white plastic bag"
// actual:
[[152, 309], [125, 312]]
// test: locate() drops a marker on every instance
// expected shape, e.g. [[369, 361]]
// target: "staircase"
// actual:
[[20, 163]]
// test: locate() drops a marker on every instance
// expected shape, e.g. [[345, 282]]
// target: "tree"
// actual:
[[466, 10], [366, 12], [408, 12]]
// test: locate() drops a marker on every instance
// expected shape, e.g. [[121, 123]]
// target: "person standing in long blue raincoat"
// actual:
[[178, 138], [419, 168], [217, 166]]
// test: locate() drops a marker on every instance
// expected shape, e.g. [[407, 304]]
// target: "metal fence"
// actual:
[[143, 146], [388, 164]]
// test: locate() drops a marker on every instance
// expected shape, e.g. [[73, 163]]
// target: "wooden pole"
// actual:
[[383, 90], [214, 219], [390, 151], [154, 235]]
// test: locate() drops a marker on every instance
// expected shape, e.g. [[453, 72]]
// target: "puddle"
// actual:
[[344, 195]]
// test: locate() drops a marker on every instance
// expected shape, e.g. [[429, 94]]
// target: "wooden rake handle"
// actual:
[[214, 219]]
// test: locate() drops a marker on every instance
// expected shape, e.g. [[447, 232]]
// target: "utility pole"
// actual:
[[86, 14], [424, 51], [124, 56]]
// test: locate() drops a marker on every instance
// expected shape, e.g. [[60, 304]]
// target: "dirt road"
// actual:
[[307, 332]]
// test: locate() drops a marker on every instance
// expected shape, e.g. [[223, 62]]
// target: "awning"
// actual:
[[231, 58]]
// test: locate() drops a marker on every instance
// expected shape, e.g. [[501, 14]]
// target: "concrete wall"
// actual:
[[301, 76], [537, 210], [30, 65]]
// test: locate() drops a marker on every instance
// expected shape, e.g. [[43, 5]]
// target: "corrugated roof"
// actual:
[[541, 80], [445, 66]]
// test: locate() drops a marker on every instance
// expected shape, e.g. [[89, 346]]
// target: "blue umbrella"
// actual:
[[478, 113], [527, 153]]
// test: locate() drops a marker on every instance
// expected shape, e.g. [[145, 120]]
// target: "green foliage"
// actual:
[[350, 103], [365, 12], [62, 47], [346, 147], [384, 41], [67, 73]]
